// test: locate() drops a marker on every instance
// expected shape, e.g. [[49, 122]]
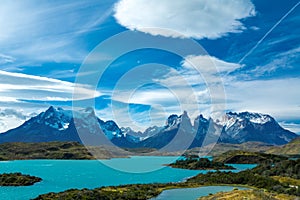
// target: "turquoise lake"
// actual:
[[59, 175]]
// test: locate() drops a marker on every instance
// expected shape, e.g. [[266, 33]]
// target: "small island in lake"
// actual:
[[199, 164], [18, 179]]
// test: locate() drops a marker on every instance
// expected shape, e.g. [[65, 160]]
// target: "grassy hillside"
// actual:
[[57, 150], [217, 149], [292, 148], [74, 150], [245, 157], [248, 194], [261, 176], [44, 150], [71, 150], [18, 179]]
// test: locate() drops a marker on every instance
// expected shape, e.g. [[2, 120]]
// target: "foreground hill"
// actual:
[[291, 148], [52, 150], [245, 157], [75, 150], [219, 148], [71, 150], [248, 194]]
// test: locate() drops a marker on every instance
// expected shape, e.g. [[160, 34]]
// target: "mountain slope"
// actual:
[[246, 126], [50, 125], [233, 128], [57, 124]]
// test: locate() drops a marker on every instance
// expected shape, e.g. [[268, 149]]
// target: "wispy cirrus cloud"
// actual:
[[193, 18], [17, 91], [4, 59], [17, 86], [47, 30]]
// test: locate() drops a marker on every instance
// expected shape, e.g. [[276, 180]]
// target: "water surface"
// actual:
[[59, 175]]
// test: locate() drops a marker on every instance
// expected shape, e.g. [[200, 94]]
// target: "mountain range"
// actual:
[[57, 124]]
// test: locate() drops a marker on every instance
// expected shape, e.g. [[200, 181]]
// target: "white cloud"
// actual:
[[177, 90], [11, 112], [193, 18], [9, 122], [278, 97], [14, 86], [209, 65], [11, 118], [294, 127], [6, 59], [198, 72]]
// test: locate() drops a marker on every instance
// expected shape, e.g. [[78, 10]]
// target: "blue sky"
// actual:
[[248, 59]]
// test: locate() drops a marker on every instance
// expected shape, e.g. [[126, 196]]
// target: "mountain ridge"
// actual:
[[57, 124]]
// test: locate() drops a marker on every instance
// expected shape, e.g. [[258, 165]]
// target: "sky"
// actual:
[[137, 61]]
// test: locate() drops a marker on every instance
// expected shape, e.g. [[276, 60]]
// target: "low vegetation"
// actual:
[[286, 168], [71, 150], [245, 157], [132, 191], [74, 150], [219, 148], [248, 194], [44, 150], [259, 177], [292, 148], [199, 163], [18, 179], [56, 150], [244, 178], [287, 180]]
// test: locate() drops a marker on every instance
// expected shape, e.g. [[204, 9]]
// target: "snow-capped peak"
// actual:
[[237, 119], [256, 118], [56, 118]]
